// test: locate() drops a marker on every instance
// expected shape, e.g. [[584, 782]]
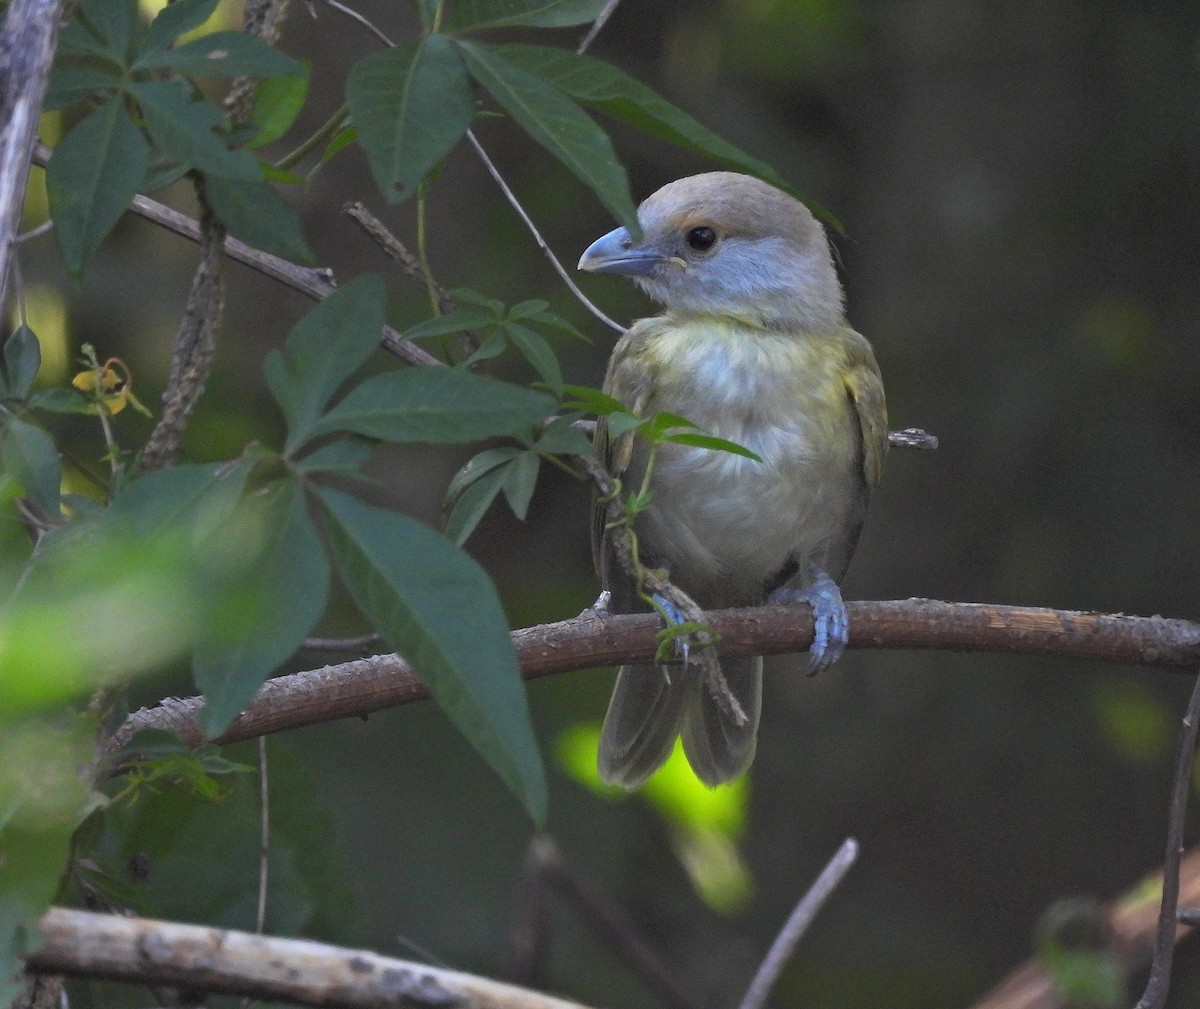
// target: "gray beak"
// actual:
[[616, 252]]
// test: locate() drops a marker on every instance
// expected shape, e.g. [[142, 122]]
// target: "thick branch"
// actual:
[[27, 41], [141, 951], [357, 688]]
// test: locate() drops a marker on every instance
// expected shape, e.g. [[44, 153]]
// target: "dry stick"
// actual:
[[362, 686], [222, 961], [1155, 995], [315, 282], [797, 924], [195, 344], [545, 865], [27, 40]]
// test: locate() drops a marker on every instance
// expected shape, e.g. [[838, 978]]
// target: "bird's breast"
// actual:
[[725, 524]]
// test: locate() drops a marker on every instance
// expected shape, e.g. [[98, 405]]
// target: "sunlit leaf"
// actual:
[[93, 174], [410, 105], [558, 124], [421, 593], [277, 103]]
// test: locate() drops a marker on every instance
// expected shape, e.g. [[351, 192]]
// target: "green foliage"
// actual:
[[277, 103], [410, 105], [420, 591], [153, 124], [473, 15], [30, 457], [22, 359]]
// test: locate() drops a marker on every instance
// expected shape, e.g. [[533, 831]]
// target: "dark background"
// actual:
[[1018, 184]]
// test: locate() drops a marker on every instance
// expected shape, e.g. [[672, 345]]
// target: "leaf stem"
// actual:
[[323, 135]]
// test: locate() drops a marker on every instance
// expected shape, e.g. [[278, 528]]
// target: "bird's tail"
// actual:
[[648, 710]]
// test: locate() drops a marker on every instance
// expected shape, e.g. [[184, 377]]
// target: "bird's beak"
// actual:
[[616, 252]]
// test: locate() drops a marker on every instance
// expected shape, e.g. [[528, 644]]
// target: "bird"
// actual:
[[752, 346]]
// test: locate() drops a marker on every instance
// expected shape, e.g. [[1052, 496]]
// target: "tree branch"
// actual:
[[142, 951], [27, 41], [359, 687]]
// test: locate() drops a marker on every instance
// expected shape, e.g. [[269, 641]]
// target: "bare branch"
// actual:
[[1159, 983], [315, 282], [27, 40], [797, 924], [361, 686], [138, 950], [195, 344], [601, 20]]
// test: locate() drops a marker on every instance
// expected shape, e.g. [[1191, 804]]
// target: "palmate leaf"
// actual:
[[29, 455], [438, 406], [183, 126], [603, 87], [272, 583], [472, 15], [223, 54], [175, 19], [257, 214], [324, 349], [558, 124], [410, 105], [439, 610], [95, 171]]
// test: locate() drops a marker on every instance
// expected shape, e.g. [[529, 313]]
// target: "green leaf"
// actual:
[[486, 461], [223, 54], [709, 441], [94, 173], [410, 105], [558, 124], [520, 479], [60, 401], [342, 457], [558, 322], [538, 352], [113, 22], [343, 139], [71, 83], [277, 103], [454, 322], [560, 438], [440, 406], [472, 504], [606, 89], [78, 39], [22, 359], [323, 350], [256, 213], [183, 127], [42, 800], [273, 588], [437, 608], [593, 401], [175, 19], [172, 498], [494, 344], [31, 458], [473, 15]]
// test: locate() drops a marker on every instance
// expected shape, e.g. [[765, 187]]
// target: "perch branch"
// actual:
[[141, 951], [361, 686]]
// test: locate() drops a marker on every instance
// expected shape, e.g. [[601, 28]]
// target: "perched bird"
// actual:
[[752, 346]]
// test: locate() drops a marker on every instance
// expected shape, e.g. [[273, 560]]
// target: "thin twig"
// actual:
[[1157, 987], [537, 235], [601, 19], [358, 644], [315, 282], [264, 840], [355, 16], [362, 686], [42, 229], [797, 924]]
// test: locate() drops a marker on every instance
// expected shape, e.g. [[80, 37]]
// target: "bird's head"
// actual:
[[728, 245]]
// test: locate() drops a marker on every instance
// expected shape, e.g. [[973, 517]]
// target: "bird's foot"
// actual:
[[674, 618], [831, 625]]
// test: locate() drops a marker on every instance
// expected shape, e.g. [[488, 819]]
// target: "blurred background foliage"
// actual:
[[1018, 186]]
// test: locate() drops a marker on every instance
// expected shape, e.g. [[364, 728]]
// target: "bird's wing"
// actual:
[[864, 386], [628, 380]]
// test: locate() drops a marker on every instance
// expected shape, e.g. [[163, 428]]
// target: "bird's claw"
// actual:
[[831, 625], [674, 617]]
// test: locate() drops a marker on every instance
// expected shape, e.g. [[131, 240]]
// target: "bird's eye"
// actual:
[[701, 239]]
